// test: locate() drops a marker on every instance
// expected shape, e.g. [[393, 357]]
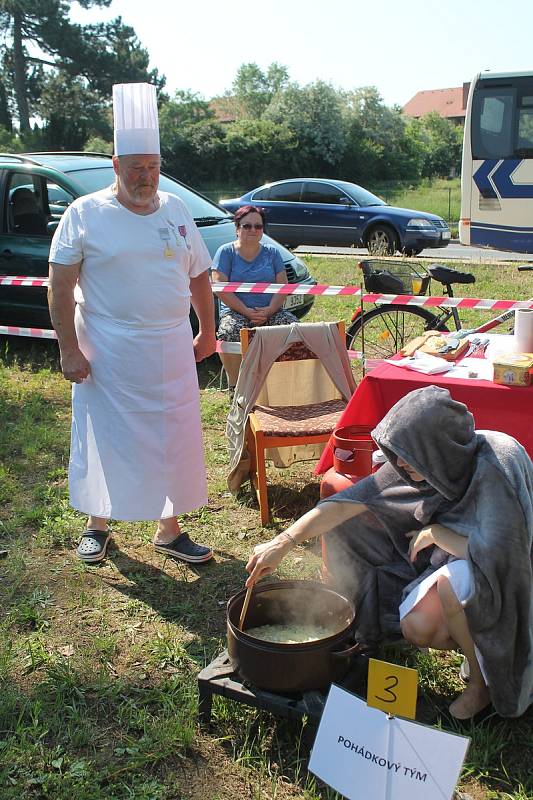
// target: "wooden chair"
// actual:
[[281, 426]]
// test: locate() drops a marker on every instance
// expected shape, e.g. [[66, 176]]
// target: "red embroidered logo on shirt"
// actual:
[[183, 230]]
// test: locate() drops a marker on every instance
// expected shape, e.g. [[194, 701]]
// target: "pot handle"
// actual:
[[355, 649]]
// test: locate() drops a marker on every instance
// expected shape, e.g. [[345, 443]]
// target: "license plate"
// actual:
[[293, 300], [446, 235]]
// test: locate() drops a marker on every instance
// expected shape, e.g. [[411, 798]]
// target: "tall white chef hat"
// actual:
[[135, 119]]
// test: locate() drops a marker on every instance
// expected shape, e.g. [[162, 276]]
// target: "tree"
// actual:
[[377, 143], [44, 25], [185, 108], [258, 150], [39, 37], [254, 89], [72, 113], [98, 145], [9, 142], [5, 115], [113, 54], [378, 120], [440, 143], [193, 152], [314, 114]]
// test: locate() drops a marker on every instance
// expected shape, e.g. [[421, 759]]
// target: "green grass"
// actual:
[[98, 665], [438, 196]]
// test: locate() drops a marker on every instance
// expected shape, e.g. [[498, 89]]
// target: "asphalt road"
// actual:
[[454, 251]]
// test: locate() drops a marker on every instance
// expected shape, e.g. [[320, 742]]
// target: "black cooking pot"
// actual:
[[292, 667]]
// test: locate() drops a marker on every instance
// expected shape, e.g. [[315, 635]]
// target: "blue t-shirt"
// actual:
[[263, 269]]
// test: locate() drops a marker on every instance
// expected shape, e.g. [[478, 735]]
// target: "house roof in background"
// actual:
[[446, 102]]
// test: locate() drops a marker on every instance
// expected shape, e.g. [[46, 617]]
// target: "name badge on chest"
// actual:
[[166, 238]]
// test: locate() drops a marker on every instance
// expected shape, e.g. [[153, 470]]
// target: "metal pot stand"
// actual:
[[219, 677]]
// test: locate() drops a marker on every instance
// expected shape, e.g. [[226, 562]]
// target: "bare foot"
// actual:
[[167, 530], [474, 699]]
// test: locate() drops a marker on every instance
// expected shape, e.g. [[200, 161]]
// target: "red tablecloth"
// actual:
[[500, 408]]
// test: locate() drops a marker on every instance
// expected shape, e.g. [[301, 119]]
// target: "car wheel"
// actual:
[[382, 241], [411, 251]]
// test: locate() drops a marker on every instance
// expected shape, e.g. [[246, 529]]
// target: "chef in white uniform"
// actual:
[[126, 262]]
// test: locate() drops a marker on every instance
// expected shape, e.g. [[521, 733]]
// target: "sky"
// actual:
[[399, 47]]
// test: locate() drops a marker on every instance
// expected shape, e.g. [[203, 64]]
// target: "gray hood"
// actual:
[[435, 435], [478, 484]]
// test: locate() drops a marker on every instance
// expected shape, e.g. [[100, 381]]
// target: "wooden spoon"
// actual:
[[245, 605]]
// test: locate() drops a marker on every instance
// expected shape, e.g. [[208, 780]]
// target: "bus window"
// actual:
[[492, 136], [525, 127]]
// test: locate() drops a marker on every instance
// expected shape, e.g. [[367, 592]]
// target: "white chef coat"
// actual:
[[136, 444]]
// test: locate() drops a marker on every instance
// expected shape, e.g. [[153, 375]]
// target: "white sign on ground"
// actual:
[[361, 752]]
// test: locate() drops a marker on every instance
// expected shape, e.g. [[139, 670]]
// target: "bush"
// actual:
[[97, 145], [10, 142]]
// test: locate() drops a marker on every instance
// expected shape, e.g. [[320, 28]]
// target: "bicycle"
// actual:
[[383, 330]]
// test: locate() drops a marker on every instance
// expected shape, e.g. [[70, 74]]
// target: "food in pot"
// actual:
[[292, 633], [300, 667]]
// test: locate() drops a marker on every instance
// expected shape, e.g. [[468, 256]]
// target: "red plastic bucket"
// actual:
[[352, 450]]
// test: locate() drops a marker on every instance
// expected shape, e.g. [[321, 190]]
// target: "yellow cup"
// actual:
[[416, 283]]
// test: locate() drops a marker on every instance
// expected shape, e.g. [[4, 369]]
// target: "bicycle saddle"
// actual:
[[447, 275]]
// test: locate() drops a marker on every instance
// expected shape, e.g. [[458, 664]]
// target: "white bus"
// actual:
[[497, 170]]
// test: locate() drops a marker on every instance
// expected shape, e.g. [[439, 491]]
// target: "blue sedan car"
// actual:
[[330, 212]]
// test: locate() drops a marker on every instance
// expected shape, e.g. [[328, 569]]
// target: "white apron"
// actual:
[[136, 447]]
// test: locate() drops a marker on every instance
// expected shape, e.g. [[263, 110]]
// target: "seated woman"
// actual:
[[248, 260], [436, 545]]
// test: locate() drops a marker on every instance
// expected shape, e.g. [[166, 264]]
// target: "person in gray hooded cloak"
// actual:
[[437, 546]]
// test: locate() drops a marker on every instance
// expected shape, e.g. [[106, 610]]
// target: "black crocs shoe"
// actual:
[[185, 549], [93, 546]]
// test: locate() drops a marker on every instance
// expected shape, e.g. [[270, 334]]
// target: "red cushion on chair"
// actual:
[[296, 352], [309, 420]]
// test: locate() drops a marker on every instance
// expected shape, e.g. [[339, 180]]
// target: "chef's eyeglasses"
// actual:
[[247, 226]]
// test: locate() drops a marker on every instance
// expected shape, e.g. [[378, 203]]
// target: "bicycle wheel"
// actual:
[[388, 328]]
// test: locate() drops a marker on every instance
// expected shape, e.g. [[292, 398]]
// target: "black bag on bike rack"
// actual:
[[384, 283]]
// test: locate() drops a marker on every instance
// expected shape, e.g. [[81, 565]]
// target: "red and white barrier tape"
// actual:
[[22, 280], [475, 303], [34, 333]]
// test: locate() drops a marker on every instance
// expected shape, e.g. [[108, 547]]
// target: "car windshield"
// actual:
[[204, 212], [361, 196]]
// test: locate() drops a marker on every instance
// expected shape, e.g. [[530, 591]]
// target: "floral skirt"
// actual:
[[232, 322]]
